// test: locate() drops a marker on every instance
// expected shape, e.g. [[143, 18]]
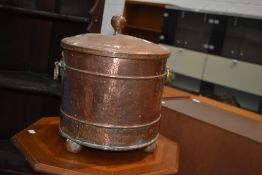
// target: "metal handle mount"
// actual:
[[59, 68]]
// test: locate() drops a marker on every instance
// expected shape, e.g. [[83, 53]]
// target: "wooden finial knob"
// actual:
[[118, 23]]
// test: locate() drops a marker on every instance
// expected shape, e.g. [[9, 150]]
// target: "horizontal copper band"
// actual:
[[107, 147], [115, 76], [107, 125]]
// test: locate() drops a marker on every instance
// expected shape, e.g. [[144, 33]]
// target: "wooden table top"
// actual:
[[44, 148], [170, 92], [226, 120], [230, 108]]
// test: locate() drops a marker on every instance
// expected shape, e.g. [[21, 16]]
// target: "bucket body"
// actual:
[[111, 103]]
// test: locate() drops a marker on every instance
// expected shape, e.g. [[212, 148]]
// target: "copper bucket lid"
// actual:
[[118, 45]]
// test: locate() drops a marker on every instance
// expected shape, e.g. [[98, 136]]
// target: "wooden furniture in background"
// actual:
[[230, 108], [212, 140], [44, 148], [170, 92], [30, 44], [144, 20], [215, 55]]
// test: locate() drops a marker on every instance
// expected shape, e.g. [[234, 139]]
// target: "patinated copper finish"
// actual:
[[112, 88]]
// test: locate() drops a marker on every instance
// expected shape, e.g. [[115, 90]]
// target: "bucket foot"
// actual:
[[151, 148], [72, 146]]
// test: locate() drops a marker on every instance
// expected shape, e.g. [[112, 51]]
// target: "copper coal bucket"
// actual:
[[112, 88]]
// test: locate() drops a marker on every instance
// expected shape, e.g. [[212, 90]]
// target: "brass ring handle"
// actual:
[[170, 76], [118, 22], [59, 67]]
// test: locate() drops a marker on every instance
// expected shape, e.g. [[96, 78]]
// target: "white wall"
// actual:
[[248, 8]]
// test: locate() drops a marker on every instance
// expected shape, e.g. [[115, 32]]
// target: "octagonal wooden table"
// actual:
[[44, 148]]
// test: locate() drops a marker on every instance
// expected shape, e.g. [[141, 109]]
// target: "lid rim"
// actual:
[[114, 54], [121, 46]]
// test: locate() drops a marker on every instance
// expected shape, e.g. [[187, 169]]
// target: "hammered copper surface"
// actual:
[[121, 111], [112, 88]]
